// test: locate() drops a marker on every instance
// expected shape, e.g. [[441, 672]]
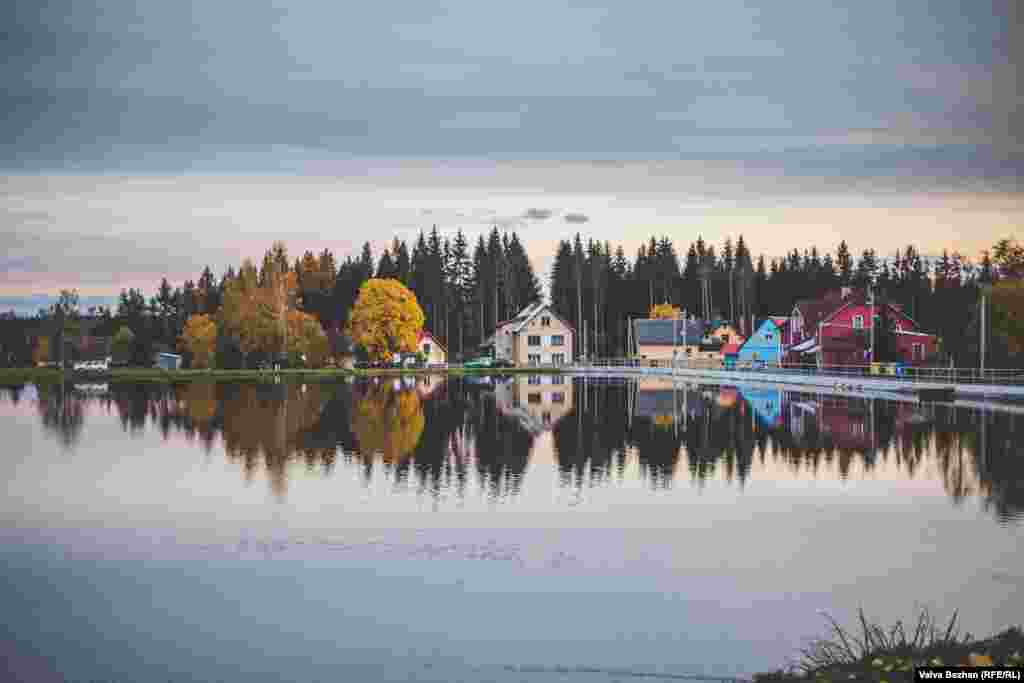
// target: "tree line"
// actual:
[[598, 289], [466, 291], [255, 312]]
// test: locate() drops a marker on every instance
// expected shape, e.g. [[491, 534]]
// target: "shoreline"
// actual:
[[50, 375]]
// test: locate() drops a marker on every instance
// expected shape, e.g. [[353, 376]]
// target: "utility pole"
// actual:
[[675, 340], [821, 343], [982, 349], [871, 290]]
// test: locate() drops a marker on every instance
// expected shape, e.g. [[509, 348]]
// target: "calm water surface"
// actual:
[[528, 529]]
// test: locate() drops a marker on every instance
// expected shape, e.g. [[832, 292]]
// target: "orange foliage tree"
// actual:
[[386, 319], [199, 338]]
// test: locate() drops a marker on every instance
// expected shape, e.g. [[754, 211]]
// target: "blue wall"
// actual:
[[760, 346]]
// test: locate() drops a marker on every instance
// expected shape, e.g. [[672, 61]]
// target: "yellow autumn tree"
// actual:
[[664, 312], [386, 319], [199, 338]]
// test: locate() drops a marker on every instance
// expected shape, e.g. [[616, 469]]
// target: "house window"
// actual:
[[769, 336], [918, 351], [533, 379], [558, 359], [534, 359], [426, 349], [533, 397], [858, 322], [558, 397], [545, 321], [557, 340], [533, 340], [558, 379], [899, 327]]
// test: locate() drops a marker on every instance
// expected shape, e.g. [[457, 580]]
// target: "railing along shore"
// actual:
[[891, 372]]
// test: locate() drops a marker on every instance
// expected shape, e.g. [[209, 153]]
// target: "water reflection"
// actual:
[[440, 435]]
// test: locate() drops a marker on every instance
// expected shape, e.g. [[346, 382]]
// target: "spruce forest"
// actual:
[[466, 288]]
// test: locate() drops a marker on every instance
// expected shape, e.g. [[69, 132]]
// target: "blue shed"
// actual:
[[168, 361], [765, 345]]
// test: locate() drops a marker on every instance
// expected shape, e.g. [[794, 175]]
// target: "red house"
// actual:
[[836, 330]]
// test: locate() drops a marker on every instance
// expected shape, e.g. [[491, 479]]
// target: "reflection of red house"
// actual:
[[843, 320]]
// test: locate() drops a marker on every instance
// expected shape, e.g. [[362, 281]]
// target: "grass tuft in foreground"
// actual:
[[872, 652]]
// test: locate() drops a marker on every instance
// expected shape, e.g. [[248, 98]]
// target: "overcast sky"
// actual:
[[147, 138]]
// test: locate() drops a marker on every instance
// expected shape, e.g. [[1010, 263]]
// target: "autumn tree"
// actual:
[[199, 338], [386, 319]]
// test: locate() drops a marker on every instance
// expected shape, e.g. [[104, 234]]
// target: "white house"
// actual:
[[536, 336]]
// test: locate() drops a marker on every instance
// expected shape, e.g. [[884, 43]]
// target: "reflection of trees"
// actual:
[[437, 438], [12, 392], [265, 423], [62, 412], [387, 422], [590, 441], [502, 444]]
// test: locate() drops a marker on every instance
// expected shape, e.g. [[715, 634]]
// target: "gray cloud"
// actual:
[[575, 218], [537, 214], [176, 86]]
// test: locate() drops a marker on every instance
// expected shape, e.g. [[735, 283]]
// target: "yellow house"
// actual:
[[432, 349], [537, 336], [661, 340]]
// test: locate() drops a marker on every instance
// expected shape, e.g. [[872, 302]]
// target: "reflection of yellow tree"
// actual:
[[389, 423]]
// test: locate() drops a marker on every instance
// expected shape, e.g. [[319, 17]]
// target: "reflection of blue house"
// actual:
[[765, 345], [766, 404]]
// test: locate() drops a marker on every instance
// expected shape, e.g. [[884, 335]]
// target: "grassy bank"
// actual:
[[50, 375], [870, 652]]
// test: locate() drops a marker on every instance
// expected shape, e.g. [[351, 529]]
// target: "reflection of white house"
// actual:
[[431, 348], [537, 401], [537, 336]]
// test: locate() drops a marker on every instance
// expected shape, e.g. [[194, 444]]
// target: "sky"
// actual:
[[151, 138]]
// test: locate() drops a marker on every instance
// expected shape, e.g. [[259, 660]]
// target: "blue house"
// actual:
[[765, 345]]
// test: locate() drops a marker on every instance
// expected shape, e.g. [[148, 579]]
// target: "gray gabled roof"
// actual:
[[662, 332]]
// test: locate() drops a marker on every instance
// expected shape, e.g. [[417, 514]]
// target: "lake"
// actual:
[[548, 528]]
